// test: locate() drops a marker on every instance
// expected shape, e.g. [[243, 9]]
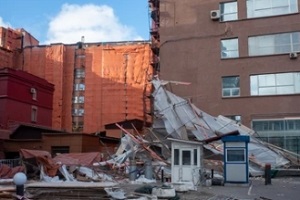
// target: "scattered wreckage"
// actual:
[[146, 157]]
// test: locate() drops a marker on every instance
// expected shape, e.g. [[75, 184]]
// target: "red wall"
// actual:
[[16, 98]]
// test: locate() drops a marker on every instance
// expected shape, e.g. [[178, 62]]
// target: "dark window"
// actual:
[[176, 156], [59, 149], [235, 155], [195, 157], [186, 157], [230, 86]]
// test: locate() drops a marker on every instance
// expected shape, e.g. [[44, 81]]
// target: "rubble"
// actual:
[[7, 172], [87, 174], [183, 120]]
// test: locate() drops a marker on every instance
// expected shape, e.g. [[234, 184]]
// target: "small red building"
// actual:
[[24, 98]]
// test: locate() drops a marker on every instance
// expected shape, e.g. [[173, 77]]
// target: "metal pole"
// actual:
[[20, 191], [267, 174], [162, 174]]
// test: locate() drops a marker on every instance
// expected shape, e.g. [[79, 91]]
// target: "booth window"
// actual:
[[176, 156], [195, 157], [186, 157], [235, 155]]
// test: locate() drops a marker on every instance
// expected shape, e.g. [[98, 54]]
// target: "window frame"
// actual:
[[33, 92], [78, 99], [79, 73], [229, 49], [279, 43], [228, 160], [79, 87], [186, 157], [223, 12], [254, 13], [256, 89], [176, 153], [78, 112], [231, 88], [34, 113]]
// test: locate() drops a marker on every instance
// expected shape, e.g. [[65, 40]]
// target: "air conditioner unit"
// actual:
[[32, 90], [215, 14], [293, 55]]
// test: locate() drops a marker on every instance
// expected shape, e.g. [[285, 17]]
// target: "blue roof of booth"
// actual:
[[236, 138]]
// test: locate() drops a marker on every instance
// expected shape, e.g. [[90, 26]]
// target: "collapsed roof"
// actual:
[[183, 120]]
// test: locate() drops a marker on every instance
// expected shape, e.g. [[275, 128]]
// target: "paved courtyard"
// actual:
[[287, 188]]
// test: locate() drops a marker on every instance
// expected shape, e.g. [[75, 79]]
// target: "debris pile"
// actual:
[[145, 157], [178, 118]]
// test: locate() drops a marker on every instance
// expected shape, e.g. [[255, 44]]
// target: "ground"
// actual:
[[280, 189]]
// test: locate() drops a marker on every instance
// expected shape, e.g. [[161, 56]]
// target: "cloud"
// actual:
[[95, 23], [4, 24]]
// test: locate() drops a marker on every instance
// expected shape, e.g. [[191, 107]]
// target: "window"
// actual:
[[33, 93], [77, 126], [235, 155], [195, 157], [79, 86], [276, 125], [275, 84], [78, 99], [34, 111], [292, 124], [231, 86], [176, 156], [262, 8], [282, 132], [229, 48], [79, 73], [228, 11], [186, 157], [78, 112], [274, 44], [59, 149]]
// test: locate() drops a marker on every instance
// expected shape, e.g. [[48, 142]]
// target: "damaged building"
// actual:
[[74, 93], [241, 58], [149, 110], [102, 82]]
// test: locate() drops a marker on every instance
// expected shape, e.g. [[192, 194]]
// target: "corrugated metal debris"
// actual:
[[84, 174], [183, 120]]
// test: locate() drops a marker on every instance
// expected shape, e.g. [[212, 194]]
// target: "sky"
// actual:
[[65, 21]]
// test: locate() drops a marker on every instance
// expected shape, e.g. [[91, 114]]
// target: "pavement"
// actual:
[[287, 188]]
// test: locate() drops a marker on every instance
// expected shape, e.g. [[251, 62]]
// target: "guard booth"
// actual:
[[236, 161], [186, 161]]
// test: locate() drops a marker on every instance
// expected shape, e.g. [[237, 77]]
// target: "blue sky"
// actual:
[[52, 21]]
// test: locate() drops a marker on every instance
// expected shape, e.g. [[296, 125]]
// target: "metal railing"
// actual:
[[11, 162]]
